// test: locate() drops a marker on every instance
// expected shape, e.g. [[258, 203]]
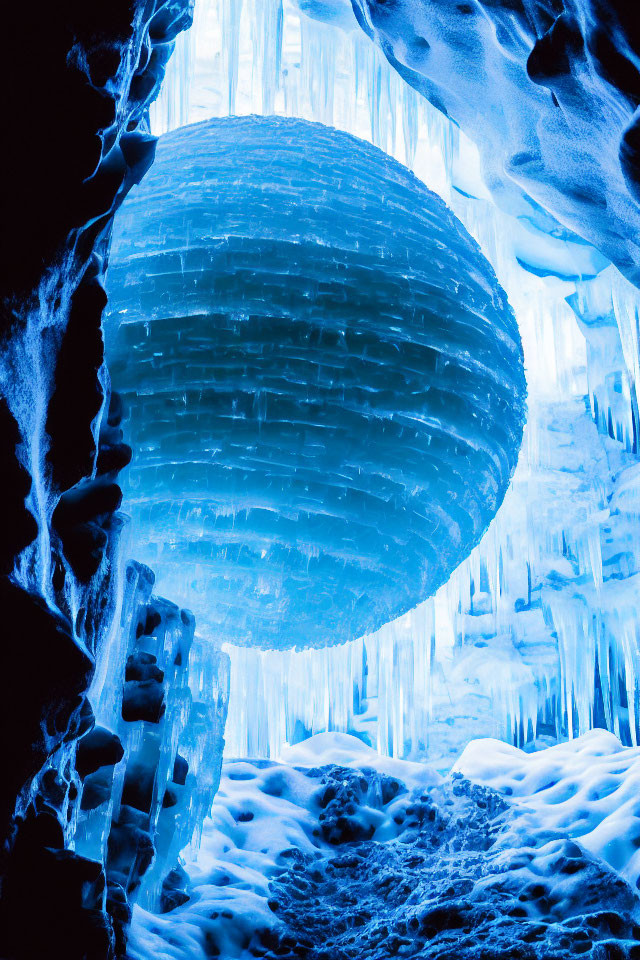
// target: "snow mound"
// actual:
[[588, 789], [264, 813], [342, 749]]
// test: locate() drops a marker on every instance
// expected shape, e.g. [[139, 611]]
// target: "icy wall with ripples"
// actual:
[[323, 378], [82, 78]]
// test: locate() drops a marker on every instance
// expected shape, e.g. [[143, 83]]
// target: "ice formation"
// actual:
[[151, 766], [523, 116], [508, 647], [324, 381]]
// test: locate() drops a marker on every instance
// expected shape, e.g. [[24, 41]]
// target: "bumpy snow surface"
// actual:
[[339, 853], [324, 379], [589, 787]]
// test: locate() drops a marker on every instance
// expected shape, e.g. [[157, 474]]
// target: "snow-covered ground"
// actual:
[[587, 789], [337, 849]]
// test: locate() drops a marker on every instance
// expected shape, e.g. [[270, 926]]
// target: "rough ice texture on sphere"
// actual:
[[324, 381]]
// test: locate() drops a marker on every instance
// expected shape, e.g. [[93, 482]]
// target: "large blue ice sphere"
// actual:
[[324, 381]]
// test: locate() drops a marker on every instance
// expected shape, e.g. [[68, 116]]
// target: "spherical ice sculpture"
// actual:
[[323, 377]]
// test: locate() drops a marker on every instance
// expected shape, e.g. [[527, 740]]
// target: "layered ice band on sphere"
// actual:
[[324, 381]]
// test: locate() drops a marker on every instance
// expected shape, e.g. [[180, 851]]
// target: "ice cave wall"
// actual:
[[81, 81], [88, 84], [549, 93]]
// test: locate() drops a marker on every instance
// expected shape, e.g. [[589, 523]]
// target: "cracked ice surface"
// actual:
[[324, 380]]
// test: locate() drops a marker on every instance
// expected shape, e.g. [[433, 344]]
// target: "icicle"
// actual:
[[231, 17]]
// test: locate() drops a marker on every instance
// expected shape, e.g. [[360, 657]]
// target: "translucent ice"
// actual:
[[324, 381]]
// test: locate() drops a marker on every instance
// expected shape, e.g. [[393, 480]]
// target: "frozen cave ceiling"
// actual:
[[549, 91], [323, 378]]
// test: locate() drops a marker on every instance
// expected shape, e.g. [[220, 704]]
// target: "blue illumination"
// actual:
[[323, 376]]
